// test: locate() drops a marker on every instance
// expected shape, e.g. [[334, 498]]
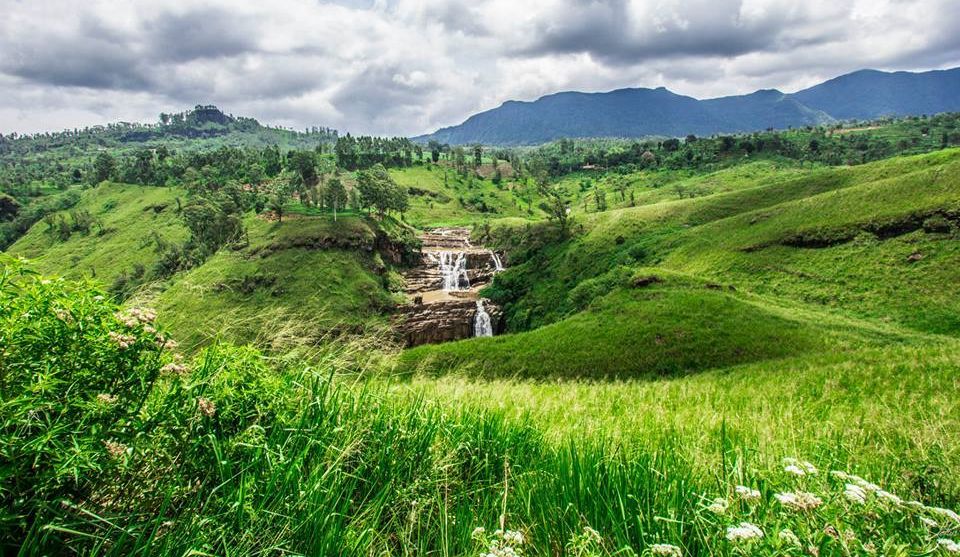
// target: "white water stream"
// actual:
[[453, 269], [482, 326], [498, 265]]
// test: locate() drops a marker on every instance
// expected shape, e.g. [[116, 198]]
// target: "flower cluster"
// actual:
[[106, 399], [948, 545], [747, 494], [799, 467], [206, 407], [174, 368], [718, 506], [115, 449], [800, 500], [137, 316], [503, 543], [121, 340], [809, 516], [665, 549], [744, 532]]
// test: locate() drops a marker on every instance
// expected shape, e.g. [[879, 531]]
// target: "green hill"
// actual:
[[873, 246], [129, 222], [295, 281]]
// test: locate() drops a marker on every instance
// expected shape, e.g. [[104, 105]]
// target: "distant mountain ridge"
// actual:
[[639, 112]]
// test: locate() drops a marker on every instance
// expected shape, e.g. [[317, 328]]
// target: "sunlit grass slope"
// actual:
[[653, 331], [839, 237], [304, 278], [131, 219], [436, 199]]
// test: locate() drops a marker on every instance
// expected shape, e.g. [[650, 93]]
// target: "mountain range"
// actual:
[[639, 112]]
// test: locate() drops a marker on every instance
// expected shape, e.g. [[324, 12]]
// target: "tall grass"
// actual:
[[235, 453]]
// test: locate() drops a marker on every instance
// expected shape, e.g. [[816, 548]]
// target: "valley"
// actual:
[[611, 336]]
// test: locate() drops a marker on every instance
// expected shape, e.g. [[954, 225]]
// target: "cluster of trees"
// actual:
[[357, 153], [852, 143]]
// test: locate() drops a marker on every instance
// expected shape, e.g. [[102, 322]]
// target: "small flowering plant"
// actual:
[[805, 512], [77, 373], [499, 543]]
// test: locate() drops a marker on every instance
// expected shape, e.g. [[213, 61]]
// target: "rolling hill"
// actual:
[[865, 94]]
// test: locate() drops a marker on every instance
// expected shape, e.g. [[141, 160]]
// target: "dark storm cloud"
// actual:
[[409, 66], [75, 61], [617, 33], [379, 90], [200, 33]]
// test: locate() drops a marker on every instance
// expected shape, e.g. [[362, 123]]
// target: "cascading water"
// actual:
[[453, 269], [498, 265], [482, 326]]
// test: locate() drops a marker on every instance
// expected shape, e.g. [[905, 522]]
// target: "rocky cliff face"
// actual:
[[444, 289]]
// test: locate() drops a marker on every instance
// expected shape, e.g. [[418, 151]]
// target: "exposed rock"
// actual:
[[438, 315]]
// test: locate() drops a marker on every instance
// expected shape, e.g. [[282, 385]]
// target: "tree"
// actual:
[[9, 207], [554, 202], [434, 147], [477, 155], [104, 166], [379, 191], [601, 198], [620, 183], [336, 195], [278, 197]]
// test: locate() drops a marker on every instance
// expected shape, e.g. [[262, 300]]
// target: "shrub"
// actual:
[[73, 378]]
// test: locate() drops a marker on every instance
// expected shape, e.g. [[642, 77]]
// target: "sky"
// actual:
[[405, 67]]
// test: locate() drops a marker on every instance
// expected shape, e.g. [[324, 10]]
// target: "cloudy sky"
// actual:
[[409, 66]]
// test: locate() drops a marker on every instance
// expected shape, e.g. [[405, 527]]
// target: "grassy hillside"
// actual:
[[871, 246], [705, 235], [129, 222], [439, 196], [296, 282], [660, 330]]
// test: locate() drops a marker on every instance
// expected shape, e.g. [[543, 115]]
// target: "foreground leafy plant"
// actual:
[[74, 375]]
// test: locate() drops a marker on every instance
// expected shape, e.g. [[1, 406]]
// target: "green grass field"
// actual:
[[662, 362]]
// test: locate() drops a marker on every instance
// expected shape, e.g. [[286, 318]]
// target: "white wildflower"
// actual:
[[478, 532], [513, 537], [115, 449], [855, 493], [929, 522], [174, 368], [946, 513], [840, 475], [872, 487], [121, 340], [745, 531], [209, 409], [949, 545], [592, 534], [809, 468], [888, 497], [787, 536], [801, 500], [665, 549], [795, 470], [718, 506], [106, 399], [747, 494]]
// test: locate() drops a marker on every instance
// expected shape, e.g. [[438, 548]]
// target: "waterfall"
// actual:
[[481, 322], [498, 265], [453, 269]]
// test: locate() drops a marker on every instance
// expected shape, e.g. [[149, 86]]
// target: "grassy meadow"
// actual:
[[760, 359]]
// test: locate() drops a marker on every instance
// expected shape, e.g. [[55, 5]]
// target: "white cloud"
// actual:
[[410, 66]]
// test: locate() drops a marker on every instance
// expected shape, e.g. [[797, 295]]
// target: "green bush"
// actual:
[[74, 375]]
